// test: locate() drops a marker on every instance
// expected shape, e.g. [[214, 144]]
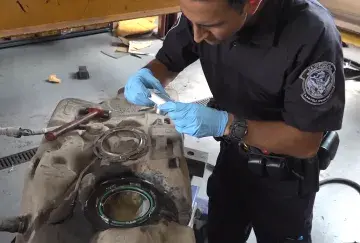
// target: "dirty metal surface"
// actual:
[[69, 162], [195, 158], [196, 164]]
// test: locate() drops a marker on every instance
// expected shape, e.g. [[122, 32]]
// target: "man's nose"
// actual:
[[200, 34]]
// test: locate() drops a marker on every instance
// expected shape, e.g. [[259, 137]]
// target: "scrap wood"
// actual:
[[134, 47], [122, 49], [111, 53], [123, 46], [124, 40], [138, 45], [127, 47], [131, 45]]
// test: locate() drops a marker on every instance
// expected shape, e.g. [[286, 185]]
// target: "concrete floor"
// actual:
[[27, 100]]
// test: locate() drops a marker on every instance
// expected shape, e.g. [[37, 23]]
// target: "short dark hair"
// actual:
[[238, 5]]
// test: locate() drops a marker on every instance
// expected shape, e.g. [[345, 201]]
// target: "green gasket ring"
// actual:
[[139, 220]]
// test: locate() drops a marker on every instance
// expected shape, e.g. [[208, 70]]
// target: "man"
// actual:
[[275, 70]]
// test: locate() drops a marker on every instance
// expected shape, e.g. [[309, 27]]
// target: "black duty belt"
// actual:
[[326, 153], [266, 164], [284, 168]]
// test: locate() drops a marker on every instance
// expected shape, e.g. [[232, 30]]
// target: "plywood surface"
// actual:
[[346, 12], [349, 8], [25, 15]]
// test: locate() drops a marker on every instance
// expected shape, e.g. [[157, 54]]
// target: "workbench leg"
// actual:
[[166, 22]]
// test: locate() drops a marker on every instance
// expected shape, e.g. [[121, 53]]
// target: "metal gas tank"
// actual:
[[122, 177]]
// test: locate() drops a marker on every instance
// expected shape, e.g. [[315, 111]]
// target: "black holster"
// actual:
[[284, 168], [328, 149]]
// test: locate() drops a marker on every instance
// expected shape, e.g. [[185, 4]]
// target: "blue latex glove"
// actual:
[[138, 85], [196, 120]]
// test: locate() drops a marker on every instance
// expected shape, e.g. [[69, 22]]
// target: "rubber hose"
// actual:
[[342, 181]]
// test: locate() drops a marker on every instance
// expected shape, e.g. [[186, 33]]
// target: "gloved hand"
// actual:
[[196, 120], [213, 104], [138, 85]]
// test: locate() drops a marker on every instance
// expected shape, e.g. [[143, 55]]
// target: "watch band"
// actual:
[[238, 130]]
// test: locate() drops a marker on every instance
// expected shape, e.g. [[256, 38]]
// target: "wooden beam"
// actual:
[[166, 22], [346, 13], [347, 26], [32, 16]]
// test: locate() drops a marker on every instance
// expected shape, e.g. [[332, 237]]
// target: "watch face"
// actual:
[[238, 130]]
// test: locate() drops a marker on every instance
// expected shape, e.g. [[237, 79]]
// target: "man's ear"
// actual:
[[253, 6]]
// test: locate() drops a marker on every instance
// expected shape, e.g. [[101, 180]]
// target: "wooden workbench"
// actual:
[[32, 16]]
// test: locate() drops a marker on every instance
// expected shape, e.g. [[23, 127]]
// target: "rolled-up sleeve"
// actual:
[[179, 49], [314, 94]]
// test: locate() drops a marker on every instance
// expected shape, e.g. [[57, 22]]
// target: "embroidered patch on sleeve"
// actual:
[[318, 83]]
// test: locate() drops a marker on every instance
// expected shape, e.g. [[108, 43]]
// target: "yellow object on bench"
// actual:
[[136, 26], [350, 38]]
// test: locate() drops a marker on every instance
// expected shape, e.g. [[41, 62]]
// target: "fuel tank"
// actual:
[[346, 13], [117, 180]]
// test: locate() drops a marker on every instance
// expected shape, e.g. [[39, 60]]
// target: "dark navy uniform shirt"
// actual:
[[288, 66]]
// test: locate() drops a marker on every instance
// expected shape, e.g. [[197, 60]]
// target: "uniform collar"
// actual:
[[262, 31]]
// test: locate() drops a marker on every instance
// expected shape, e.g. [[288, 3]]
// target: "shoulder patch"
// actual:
[[318, 82]]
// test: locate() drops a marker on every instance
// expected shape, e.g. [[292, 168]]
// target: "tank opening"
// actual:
[[126, 206]]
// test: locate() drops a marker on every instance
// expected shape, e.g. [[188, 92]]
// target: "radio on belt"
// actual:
[[159, 99]]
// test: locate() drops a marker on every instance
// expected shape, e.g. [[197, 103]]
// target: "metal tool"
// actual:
[[90, 113], [159, 99]]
